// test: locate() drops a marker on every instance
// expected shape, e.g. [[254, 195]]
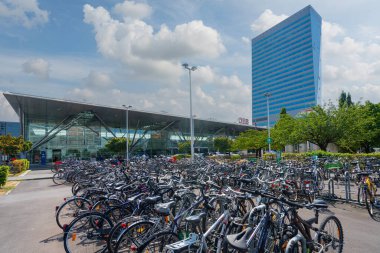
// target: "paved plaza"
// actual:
[[27, 219]]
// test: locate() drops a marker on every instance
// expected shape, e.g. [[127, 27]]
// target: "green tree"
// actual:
[[250, 139], [345, 99], [223, 144], [10, 145], [374, 129], [361, 127], [320, 126], [284, 132], [342, 99], [184, 147], [349, 100], [117, 145]]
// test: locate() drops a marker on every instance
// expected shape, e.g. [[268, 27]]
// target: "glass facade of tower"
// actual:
[[286, 64], [11, 128]]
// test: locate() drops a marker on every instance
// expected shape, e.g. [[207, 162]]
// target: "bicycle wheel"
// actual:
[[87, 233], [331, 235], [244, 206], [117, 213], [157, 242], [118, 228], [71, 209], [135, 235], [373, 207], [59, 178], [321, 183]]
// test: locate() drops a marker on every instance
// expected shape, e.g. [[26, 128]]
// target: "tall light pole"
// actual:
[[267, 95], [127, 132], [193, 68]]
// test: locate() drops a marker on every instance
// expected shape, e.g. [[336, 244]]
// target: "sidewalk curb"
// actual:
[[29, 179], [23, 174], [12, 189]]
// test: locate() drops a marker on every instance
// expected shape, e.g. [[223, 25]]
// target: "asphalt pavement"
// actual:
[[27, 221]]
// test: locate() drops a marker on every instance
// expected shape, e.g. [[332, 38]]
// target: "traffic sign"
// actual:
[[269, 140]]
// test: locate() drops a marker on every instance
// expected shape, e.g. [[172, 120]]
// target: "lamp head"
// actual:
[[193, 68], [185, 65], [267, 94]]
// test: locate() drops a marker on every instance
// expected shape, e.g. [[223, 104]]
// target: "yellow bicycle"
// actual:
[[372, 200]]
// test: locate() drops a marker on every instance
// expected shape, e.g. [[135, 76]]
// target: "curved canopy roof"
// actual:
[[57, 110]]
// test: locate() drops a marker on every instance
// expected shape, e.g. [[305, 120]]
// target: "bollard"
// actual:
[[347, 186]]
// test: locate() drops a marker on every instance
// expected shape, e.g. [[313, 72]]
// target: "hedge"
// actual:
[[321, 153], [235, 157], [181, 156], [269, 156], [4, 172]]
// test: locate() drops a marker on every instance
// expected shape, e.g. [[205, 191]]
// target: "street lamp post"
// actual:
[[193, 68], [267, 95], [127, 131]]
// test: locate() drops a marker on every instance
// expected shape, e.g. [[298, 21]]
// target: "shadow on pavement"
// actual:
[[54, 238]]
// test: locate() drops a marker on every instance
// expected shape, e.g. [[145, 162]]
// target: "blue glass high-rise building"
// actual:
[[286, 64], [11, 128]]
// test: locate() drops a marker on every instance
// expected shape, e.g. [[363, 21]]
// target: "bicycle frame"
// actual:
[[224, 218], [304, 227], [261, 227], [195, 239]]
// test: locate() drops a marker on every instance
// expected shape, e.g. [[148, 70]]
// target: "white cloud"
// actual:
[[214, 95], [130, 9], [98, 80], [349, 64], [148, 54], [24, 12], [266, 20], [38, 67], [82, 94], [246, 40]]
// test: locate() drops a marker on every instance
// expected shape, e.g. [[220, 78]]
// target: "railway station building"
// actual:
[[61, 129]]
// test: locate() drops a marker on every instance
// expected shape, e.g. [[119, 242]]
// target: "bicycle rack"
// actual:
[[331, 188], [347, 186], [182, 245]]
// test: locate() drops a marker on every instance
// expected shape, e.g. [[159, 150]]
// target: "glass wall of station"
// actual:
[[84, 138]]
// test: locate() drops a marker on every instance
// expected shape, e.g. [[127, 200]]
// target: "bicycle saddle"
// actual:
[[153, 199], [195, 218], [318, 203], [239, 240], [164, 208], [134, 198]]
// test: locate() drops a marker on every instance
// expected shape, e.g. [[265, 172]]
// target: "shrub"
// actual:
[[321, 153], [181, 156], [269, 156], [235, 157], [26, 163], [20, 165], [4, 171]]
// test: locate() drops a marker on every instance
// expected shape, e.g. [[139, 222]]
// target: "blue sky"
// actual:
[[116, 52]]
